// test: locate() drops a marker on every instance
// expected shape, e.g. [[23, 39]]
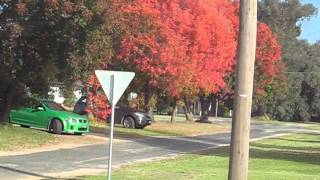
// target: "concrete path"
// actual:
[[93, 158]]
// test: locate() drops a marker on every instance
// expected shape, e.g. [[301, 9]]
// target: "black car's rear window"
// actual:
[[54, 106]]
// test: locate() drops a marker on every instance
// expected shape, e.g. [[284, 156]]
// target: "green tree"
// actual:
[[283, 17], [37, 42]]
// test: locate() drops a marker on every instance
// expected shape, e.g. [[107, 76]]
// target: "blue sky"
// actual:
[[311, 27]]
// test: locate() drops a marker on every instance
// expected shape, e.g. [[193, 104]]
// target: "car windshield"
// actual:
[[54, 106]]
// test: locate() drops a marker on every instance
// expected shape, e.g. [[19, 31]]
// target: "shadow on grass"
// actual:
[[297, 140], [306, 154], [284, 148]]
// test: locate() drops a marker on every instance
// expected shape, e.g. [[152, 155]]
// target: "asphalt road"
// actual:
[[56, 164]]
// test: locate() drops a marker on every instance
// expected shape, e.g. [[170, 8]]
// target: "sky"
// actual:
[[311, 27]]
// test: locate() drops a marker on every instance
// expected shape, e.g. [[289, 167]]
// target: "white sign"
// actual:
[[121, 80], [113, 83]]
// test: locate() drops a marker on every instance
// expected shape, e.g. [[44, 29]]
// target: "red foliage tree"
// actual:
[[186, 47], [268, 57], [268, 63], [193, 45]]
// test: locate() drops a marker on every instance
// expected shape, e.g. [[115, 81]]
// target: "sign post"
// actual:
[[113, 83], [111, 126]]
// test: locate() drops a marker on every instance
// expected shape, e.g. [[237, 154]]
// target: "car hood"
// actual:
[[128, 109], [67, 114]]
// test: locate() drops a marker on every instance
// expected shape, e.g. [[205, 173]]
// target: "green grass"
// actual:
[[17, 138], [313, 126], [163, 128], [293, 157], [167, 118]]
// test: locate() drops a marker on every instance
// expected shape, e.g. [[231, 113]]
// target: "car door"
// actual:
[[22, 116], [40, 116], [119, 113]]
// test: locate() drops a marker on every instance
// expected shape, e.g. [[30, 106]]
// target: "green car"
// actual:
[[51, 116]]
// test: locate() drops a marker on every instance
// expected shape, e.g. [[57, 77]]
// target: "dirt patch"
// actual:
[[82, 140]]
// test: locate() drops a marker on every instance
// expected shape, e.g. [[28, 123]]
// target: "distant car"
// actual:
[[51, 116], [128, 117]]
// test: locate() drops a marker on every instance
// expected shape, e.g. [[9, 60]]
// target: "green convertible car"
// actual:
[[51, 116]]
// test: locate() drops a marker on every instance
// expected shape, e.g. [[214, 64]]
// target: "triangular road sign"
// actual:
[[114, 83]]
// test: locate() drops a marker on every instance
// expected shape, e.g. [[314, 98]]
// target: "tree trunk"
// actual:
[[261, 110], [7, 104], [187, 109], [205, 104], [174, 111], [148, 93]]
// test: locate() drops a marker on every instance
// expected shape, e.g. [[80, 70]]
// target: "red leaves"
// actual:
[[268, 55], [97, 102], [184, 47], [192, 47], [268, 50]]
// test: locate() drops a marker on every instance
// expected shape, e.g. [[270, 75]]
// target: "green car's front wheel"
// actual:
[[56, 126]]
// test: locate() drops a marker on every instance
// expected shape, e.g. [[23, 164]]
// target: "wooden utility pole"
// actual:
[[239, 152]]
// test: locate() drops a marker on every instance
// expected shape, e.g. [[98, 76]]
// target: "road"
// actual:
[[93, 158]]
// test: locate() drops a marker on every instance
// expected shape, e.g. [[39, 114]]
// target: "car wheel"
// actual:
[[56, 126], [128, 122], [77, 133], [24, 126]]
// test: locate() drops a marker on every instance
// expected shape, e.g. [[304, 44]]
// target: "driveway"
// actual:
[[91, 159]]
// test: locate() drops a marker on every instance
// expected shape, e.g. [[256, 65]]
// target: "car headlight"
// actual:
[[139, 114], [72, 120]]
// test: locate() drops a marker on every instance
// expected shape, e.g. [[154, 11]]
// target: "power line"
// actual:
[[297, 72]]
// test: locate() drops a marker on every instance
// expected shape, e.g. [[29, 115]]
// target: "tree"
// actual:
[[283, 18], [97, 104], [179, 37], [268, 66], [184, 49], [37, 41]]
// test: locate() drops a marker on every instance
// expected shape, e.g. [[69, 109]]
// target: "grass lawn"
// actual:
[[313, 126], [292, 157], [17, 138], [167, 118], [164, 128]]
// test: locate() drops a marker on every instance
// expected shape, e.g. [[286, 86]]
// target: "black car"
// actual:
[[128, 117]]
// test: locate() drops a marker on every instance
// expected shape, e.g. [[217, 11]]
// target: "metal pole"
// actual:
[[111, 127], [217, 104], [239, 148]]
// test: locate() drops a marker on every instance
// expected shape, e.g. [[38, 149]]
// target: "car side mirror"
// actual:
[[39, 108]]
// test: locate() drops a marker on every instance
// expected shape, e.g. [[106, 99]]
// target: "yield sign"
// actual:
[[114, 83]]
